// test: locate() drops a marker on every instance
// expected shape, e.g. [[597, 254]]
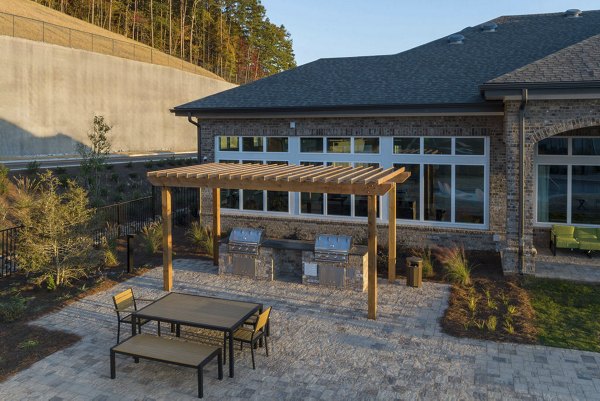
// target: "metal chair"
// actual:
[[126, 303], [253, 336]]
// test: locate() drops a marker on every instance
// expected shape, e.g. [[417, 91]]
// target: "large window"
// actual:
[[568, 180], [448, 184]]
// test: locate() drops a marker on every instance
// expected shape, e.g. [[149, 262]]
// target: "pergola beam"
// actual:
[[372, 273], [392, 234]]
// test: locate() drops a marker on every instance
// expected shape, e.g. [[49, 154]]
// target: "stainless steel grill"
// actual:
[[332, 248], [245, 240]]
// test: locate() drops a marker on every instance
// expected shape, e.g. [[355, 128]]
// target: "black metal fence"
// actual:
[[121, 219], [8, 250], [115, 221]]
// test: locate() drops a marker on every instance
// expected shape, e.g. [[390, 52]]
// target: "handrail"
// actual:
[[21, 27]]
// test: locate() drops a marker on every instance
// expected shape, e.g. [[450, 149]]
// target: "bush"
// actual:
[[60, 171], [201, 237], [455, 264], [114, 177], [152, 237], [55, 242], [129, 165], [109, 248], [12, 309], [3, 179], [149, 164], [133, 176], [33, 167], [425, 254]]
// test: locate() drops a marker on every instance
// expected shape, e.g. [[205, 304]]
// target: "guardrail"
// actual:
[[41, 31]]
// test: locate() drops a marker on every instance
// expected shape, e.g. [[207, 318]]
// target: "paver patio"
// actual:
[[323, 347]]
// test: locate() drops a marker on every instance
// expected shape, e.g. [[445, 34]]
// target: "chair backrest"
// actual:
[[124, 300], [581, 232], [263, 318], [563, 230]]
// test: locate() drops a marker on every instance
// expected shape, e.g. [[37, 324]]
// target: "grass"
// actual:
[[566, 313]]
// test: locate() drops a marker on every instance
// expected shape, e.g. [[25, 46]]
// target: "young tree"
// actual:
[[93, 163], [54, 246]]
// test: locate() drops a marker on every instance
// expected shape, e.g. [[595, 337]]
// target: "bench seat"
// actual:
[[161, 349]]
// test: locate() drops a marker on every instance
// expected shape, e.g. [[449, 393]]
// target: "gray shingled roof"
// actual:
[[577, 63], [434, 73]]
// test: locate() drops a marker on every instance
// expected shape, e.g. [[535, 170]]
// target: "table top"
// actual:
[[199, 311]]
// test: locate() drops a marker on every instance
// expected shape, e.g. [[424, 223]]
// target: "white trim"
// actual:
[[569, 160], [385, 158]]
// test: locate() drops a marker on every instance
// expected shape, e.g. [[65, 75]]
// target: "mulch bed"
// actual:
[[492, 294]]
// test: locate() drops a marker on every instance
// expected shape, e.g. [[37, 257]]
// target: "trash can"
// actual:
[[414, 271]]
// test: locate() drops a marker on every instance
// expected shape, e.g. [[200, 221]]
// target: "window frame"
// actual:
[[568, 160]]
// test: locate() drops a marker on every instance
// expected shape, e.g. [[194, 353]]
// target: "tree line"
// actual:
[[234, 39]]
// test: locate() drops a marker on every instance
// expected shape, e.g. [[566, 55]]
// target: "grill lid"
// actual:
[[333, 243], [246, 236]]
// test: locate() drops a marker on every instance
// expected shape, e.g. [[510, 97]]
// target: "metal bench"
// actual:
[[166, 350]]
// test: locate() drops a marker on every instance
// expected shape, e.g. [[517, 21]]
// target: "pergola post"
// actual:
[[167, 239], [216, 224], [392, 234], [372, 276]]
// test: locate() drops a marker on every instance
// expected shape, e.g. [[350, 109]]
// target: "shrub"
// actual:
[[201, 237], [133, 176], [109, 248], [172, 161], [425, 254], [114, 177], [33, 167], [55, 241], [129, 165], [3, 179], [491, 323], [455, 264], [161, 163], [149, 164], [152, 237], [13, 308]]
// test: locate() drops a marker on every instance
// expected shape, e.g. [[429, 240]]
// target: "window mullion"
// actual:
[[569, 192]]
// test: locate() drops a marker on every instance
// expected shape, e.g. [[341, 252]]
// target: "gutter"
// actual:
[[199, 133], [388, 110], [522, 109]]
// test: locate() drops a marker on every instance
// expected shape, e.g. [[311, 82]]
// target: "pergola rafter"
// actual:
[[369, 181]]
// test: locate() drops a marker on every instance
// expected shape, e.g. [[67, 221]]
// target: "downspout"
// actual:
[[197, 124], [522, 180], [199, 132]]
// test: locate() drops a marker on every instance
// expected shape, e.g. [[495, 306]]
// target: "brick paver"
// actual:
[[323, 348]]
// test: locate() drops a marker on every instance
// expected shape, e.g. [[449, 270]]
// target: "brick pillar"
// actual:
[[510, 247]]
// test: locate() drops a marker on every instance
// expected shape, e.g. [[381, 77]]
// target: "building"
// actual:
[[499, 125]]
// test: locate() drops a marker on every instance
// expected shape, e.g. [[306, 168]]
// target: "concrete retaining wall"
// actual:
[[49, 95]]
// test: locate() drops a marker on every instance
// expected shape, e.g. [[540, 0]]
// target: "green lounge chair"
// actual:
[[563, 237], [589, 239]]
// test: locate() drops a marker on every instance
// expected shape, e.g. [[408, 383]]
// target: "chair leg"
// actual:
[[113, 371], [252, 352], [220, 363], [225, 347], [266, 346], [118, 332], [158, 328]]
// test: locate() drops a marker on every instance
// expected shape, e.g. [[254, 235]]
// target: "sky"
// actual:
[[343, 28]]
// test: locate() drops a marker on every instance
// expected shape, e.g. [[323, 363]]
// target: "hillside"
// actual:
[[233, 39], [31, 29]]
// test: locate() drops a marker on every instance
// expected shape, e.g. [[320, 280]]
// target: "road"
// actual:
[[16, 165]]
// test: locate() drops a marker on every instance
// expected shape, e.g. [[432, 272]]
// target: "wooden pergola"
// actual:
[[369, 181]]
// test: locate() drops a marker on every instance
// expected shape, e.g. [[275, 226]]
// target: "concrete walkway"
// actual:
[[323, 348]]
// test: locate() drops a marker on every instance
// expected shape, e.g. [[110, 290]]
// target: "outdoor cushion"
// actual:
[[563, 230], [581, 233], [566, 242], [589, 245]]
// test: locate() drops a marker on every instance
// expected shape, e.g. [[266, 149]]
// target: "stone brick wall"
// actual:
[[543, 119]]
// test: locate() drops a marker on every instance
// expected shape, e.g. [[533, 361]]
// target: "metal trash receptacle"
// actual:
[[414, 271]]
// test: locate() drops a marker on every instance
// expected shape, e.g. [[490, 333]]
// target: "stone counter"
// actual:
[[293, 260]]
